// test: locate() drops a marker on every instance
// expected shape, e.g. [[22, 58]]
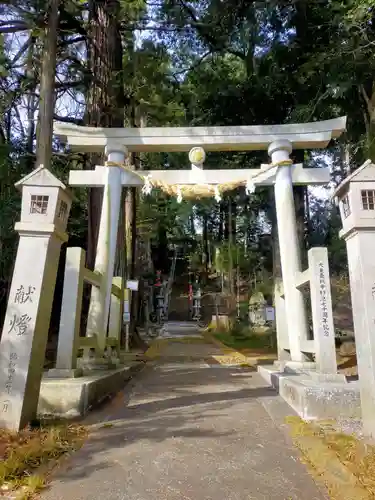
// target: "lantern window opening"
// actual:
[[368, 199], [39, 204], [346, 206], [63, 210]]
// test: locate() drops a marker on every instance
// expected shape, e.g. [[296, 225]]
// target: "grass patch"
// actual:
[[237, 340], [23, 455], [155, 349], [188, 340], [344, 463], [357, 456]]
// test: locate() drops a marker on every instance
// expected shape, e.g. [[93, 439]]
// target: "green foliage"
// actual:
[[11, 170], [172, 216], [360, 11], [240, 339], [266, 287], [199, 63]]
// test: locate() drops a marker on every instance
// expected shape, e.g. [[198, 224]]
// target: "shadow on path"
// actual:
[[186, 433]]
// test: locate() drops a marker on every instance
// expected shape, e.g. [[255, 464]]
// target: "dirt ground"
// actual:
[[347, 365]]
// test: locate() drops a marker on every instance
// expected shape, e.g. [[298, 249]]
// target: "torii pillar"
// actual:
[[290, 255], [97, 321], [112, 177]]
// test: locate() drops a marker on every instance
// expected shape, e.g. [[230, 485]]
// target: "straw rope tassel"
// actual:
[[188, 191]]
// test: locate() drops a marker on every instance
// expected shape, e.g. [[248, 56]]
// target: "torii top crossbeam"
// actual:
[[172, 139]]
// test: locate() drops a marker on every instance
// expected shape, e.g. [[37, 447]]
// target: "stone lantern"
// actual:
[[257, 310], [45, 202], [44, 214], [356, 199]]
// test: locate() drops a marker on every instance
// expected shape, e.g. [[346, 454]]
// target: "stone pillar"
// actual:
[[360, 243], [70, 319], [281, 325], [106, 250], [45, 210], [321, 308], [115, 316], [289, 247]]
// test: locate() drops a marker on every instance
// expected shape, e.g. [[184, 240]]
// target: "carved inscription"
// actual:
[[11, 371], [323, 300], [5, 406], [19, 324], [24, 294]]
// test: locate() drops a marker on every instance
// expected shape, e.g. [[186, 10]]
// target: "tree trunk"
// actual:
[[128, 231], [226, 218], [105, 99], [308, 233], [205, 243], [234, 219], [133, 266], [47, 86], [31, 106], [138, 245], [230, 248], [221, 222], [192, 224], [300, 193]]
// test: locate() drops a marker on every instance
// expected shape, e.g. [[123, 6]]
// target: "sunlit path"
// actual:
[[189, 432]]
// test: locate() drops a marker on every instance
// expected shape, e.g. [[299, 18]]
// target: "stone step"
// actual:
[[311, 397]]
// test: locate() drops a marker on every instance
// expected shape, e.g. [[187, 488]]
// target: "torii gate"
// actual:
[[279, 140]]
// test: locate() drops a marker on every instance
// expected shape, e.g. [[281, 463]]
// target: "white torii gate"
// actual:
[[279, 140]]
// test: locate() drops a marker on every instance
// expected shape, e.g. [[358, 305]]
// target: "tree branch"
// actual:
[[200, 27], [13, 29], [194, 65], [69, 85], [68, 119], [237, 53], [20, 53], [16, 23], [366, 99], [71, 41]]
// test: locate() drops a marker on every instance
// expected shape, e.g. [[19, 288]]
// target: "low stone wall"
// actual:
[[74, 397]]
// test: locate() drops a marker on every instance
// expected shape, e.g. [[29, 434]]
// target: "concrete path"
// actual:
[[189, 430]]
